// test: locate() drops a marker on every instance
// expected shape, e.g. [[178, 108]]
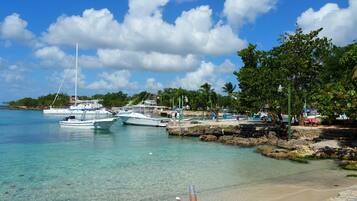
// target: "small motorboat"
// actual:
[[72, 122], [142, 115], [138, 119]]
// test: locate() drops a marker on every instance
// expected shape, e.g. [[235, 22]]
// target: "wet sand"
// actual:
[[277, 192], [309, 186]]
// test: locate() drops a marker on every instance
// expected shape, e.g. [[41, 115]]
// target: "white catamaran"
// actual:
[[91, 107]]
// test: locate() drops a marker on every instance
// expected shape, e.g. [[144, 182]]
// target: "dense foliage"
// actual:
[[42, 101], [317, 72], [203, 99], [108, 100], [112, 99]]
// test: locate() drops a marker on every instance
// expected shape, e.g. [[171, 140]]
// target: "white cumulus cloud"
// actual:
[[144, 29], [113, 81], [193, 80], [207, 72], [68, 77], [337, 23], [13, 28], [12, 74], [53, 56], [148, 61], [239, 12], [152, 85], [140, 8], [227, 67]]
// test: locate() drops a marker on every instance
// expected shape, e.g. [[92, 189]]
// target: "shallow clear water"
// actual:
[[41, 161]]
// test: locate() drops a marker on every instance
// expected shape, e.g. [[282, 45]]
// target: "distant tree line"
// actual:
[[204, 98], [42, 101], [318, 72]]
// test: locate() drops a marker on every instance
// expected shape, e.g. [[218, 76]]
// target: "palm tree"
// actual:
[[207, 91], [229, 88], [206, 88]]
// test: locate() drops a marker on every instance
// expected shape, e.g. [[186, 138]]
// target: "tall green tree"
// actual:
[[209, 94], [229, 88], [297, 61]]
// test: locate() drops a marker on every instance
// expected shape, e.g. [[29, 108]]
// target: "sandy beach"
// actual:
[[279, 192], [324, 185]]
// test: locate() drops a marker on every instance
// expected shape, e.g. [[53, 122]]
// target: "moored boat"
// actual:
[[73, 122], [134, 118], [142, 114], [91, 107]]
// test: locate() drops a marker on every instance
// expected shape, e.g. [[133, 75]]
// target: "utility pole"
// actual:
[[289, 111], [76, 74]]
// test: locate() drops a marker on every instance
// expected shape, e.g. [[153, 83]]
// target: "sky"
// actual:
[[136, 45]]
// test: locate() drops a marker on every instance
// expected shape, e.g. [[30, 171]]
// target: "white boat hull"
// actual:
[[141, 120], [65, 111], [89, 124]]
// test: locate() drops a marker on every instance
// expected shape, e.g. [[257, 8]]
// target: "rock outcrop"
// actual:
[[208, 138], [307, 143]]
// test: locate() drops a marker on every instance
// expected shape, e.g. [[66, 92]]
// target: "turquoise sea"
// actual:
[[41, 161]]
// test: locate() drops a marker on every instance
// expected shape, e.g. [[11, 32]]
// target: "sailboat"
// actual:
[[83, 107], [92, 107]]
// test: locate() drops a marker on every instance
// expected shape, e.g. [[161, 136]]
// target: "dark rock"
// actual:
[[348, 165], [299, 160], [248, 142], [208, 138], [292, 144], [225, 138], [351, 175], [273, 152], [337, 153], [297, 155]]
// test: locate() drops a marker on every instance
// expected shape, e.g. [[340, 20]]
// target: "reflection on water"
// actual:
[[103, 138]]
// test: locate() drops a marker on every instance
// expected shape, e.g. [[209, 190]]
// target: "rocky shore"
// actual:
[[306, 143]]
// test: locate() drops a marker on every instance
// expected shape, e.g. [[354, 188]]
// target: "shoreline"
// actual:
[[281, 192], [307, 145], [317, 185], [22, 108]]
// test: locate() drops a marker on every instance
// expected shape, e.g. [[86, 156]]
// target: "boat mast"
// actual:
[[75, 85]]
